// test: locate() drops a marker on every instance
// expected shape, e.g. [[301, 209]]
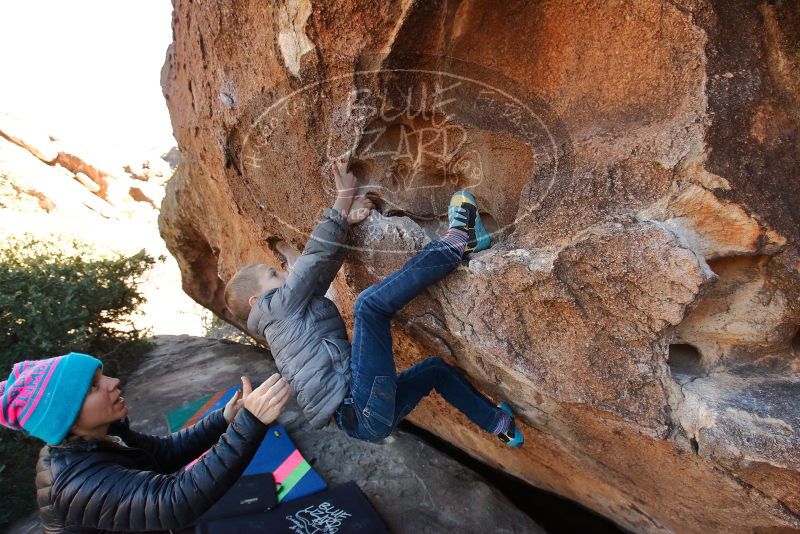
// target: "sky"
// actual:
[[88, 70]]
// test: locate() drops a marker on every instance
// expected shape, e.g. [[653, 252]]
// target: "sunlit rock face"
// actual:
[[637, 163]]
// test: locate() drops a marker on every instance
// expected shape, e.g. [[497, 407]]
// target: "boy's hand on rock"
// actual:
[[346, 181], [266, 401], [359, 209]]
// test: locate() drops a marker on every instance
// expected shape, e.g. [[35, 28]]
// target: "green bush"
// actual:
[[57, 298]]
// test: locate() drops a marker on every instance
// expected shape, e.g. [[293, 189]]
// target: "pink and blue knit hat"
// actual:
[[44, 397]]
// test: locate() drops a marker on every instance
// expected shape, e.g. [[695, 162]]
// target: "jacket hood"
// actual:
[[257, 312]]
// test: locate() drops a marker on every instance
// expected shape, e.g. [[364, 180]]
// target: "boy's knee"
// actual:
[[361, 303], [436, 361], [367, 301], [436, 365]]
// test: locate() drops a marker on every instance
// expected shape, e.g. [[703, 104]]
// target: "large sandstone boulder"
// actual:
[[638, 165]]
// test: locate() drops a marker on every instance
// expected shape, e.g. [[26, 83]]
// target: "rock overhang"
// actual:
[[646, 247]]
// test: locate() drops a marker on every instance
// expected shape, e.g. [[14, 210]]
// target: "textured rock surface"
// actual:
[[639, 163]]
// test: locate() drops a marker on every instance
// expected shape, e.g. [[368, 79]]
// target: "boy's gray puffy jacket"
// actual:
[[305, 331]]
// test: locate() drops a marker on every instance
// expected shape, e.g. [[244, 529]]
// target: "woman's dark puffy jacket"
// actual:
[[99, 486]]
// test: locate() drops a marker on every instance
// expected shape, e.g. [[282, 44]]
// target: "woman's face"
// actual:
[[103, 404]]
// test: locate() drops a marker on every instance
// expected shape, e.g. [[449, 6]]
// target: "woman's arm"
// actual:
[[109, 496], [179, 448], [100, 493]]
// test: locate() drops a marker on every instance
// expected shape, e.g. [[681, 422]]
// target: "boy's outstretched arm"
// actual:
[[323, 255]]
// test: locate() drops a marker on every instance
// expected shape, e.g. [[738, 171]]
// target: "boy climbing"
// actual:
[[357, 384]]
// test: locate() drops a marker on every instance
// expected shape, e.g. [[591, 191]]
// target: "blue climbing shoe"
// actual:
[[463, 214], [513, 436]]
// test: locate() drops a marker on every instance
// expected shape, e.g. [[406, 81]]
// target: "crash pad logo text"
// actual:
[[321, 519]]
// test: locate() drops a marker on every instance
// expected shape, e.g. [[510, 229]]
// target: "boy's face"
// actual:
[[268, 278]]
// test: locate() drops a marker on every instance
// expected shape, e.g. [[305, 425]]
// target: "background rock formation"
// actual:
[[57, 192], [639, 163]]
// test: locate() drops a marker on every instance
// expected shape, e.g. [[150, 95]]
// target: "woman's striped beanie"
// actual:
[[44, 397]]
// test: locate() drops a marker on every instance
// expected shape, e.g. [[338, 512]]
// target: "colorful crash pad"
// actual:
[[342, 510], [294, 476]]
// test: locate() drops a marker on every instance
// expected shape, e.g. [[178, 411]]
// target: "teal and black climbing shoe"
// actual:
[[512, 436], [463, 215]]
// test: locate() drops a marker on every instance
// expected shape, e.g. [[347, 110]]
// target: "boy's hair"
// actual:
[[240, 288]]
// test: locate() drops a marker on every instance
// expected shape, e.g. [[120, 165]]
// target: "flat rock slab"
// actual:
[[415, 488]]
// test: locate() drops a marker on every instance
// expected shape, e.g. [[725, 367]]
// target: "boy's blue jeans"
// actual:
[[379, 398]]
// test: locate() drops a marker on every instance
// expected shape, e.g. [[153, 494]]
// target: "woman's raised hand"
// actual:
[[233, 406], [266, 401]]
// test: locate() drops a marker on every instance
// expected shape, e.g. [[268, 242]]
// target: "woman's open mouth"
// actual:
[[120, 401]]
